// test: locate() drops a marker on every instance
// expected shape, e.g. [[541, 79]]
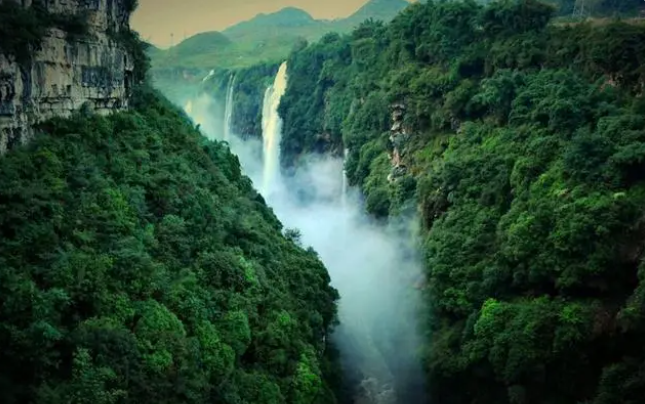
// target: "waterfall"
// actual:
[[209, 75], [343, 195], [228, 112], [369, 264], [272, 128]]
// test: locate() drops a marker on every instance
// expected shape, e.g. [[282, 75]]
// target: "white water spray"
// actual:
[[343, 195], [200, 110], [228, 112], [188, 107], [272, 129], [373, 267]]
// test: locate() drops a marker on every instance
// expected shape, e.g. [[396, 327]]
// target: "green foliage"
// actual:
[[201, 43], [610, 8], [76, 26], [203, 54], [131, 5], [524, 153], [248, 97], [139, 265], [136, 48], [21, 29]]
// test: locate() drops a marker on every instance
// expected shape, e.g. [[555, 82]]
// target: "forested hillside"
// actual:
[[522, 143], [138, 265]]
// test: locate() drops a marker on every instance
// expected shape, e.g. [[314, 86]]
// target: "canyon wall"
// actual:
[[66, 71]]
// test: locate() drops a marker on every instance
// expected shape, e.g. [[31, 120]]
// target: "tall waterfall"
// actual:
[[272, 128], [343, 195], [370, 264], [228, 111]]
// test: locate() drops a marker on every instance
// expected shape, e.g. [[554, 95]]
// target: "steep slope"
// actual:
[[382, 10], [250, 86], [204, 42], [521, 146], [138, 263]]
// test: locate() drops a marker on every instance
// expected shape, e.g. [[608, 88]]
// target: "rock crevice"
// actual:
[[399, 138]]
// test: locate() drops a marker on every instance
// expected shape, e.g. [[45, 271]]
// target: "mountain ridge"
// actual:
[[202, 42], [267, 37], [288, 17], [378, 10], [383, 10]]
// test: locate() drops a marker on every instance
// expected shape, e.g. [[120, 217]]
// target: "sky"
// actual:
[[155, 20]]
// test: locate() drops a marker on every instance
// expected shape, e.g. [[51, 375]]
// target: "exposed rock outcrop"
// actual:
[[398, 139], [68, 71]]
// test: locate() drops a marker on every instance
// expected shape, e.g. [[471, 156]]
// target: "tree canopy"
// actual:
[[139, 265], [522, 143]]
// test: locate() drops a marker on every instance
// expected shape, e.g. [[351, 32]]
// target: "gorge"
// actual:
[[484, 120], [442, 208], [374, 267]]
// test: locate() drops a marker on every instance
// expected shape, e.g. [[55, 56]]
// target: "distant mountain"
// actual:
[[266, 37], [383, 10], [204, 42], [288, 21], [286, 18], [151, 50], [296, 22]]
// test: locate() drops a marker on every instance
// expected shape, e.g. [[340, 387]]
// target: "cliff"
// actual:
[[64, 70]]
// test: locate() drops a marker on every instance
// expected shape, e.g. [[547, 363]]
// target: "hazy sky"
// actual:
[[157, 19]]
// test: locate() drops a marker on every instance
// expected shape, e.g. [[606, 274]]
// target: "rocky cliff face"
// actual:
[[399, 138], [67, 71]]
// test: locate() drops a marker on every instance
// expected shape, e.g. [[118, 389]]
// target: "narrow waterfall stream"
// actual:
[[373, 266], [344, 188], [272, 130], [228, 111]]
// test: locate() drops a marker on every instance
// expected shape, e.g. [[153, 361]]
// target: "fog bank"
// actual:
[[374, 267]]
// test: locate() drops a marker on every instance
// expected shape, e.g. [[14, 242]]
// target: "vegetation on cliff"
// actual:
[[523, 145], [249, 86], [138, 265], [22, 29]]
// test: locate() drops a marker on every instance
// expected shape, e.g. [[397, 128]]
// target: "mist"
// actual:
[[374, 266]]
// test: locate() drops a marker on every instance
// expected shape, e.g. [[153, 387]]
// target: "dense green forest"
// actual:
[[138, 265], [522, 143]]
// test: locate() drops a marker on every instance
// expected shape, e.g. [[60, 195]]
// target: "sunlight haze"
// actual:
[[156, 20]]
